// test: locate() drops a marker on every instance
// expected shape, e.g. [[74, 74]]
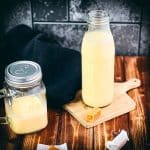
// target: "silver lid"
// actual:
[[23, 74]]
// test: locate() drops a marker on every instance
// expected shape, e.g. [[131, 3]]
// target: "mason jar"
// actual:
[[24, 97]]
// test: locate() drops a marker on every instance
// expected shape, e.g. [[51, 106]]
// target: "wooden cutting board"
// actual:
[[122, 103]]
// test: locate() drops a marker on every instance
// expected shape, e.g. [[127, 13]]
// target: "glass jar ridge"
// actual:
[[98, 17]]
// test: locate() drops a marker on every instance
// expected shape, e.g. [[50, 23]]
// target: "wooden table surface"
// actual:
[[62, 127]]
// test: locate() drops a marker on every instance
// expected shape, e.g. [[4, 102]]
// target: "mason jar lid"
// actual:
[[23, 74]]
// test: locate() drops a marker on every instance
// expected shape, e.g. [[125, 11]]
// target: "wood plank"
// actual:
[[46, 136], [109, 129], [74, 134], [64, 128], [119, 69], [139, 67]]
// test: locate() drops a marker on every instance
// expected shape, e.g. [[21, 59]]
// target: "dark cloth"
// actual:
[[61, 67]]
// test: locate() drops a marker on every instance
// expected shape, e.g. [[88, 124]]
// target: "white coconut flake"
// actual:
[[118, 142], [46, 147]]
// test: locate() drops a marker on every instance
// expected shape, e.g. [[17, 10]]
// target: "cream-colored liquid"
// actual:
[[98, 68], [26, 114]]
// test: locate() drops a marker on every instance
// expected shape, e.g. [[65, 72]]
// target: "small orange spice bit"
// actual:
[[93, 114], [52, 147]]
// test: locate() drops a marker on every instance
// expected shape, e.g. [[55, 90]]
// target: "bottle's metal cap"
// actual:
[[23, 74]]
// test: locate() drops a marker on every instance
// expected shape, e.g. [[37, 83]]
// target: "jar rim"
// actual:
[[97, 17]]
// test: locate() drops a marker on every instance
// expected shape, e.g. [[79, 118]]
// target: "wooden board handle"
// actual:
[[128, 85]]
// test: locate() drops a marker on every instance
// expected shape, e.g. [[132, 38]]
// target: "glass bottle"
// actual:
[[98, 52]]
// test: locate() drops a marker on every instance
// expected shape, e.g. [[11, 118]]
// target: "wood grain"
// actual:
[[139, 67], [74, 134], [46, 136], [107, 130], [62, 127]]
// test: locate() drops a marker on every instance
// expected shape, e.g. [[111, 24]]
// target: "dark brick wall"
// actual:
[[130, 21]]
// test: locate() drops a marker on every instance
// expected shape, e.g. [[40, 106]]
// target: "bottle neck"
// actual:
[[98, 20], [92, 27]]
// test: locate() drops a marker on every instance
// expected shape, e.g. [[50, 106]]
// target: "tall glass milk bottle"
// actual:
[[98, 53]]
